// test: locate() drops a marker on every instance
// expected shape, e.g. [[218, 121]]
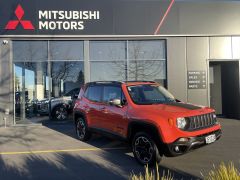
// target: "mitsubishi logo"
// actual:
[[12, 24]]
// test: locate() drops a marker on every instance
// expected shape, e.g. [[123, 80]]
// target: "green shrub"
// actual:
[[224, 172]]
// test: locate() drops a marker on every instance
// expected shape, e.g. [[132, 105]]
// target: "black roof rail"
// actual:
[[105, 82], [140, 81], [116, 82]]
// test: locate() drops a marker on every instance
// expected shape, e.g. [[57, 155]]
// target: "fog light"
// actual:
[[176, 148], [183, 140]]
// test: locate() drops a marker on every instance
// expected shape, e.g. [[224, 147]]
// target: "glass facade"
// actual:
[[44, 70], [107, 60], [51, 69], [128, 60], [147, 60], [66, 66]]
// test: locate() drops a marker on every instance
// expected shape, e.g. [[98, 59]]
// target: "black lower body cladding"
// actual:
[[178, 147]]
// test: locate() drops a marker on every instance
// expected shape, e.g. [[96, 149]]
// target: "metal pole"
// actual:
[[5, 122]]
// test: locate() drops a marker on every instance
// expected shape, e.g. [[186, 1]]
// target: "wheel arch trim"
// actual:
[[142, 123]]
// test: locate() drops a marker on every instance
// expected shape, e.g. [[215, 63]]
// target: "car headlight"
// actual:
[[214, 116], [181, 123], [215, 119]]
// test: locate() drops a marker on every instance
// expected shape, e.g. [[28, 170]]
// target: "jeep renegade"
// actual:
[[146, 115]]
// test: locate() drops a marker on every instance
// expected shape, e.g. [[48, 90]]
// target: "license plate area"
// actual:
[[210, 139]]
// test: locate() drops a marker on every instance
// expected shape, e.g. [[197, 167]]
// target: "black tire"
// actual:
[[60, 113], [82, 132], [145, 149]]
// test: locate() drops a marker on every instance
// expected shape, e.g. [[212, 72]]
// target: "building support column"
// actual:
[[6, 90]]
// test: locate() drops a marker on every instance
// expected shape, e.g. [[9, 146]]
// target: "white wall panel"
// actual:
[[176, 67], [220, 48], [197, 55]]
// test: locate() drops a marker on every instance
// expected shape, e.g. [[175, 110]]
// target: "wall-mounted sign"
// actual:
[[81, 17], [197, 80]]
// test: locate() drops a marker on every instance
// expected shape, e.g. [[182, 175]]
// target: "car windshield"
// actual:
[[72, 92], [150, 94]]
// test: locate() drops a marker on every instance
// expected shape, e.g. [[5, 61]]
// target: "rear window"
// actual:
[[93, 93]]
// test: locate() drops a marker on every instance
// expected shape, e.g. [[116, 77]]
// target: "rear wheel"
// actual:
[[83, 134], [145, 149]]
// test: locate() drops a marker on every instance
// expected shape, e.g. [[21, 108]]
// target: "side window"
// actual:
[[93, 93], [112, 92]]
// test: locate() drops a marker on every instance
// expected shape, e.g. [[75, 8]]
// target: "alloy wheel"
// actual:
[[61, 113], [81, 129], [144, 149]]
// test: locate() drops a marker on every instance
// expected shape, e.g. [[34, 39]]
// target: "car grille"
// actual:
[[201, 121], [43, 107]]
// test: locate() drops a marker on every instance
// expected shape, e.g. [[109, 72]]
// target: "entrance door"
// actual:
[[224, 88]]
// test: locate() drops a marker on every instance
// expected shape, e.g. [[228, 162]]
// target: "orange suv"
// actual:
[[146, 115]]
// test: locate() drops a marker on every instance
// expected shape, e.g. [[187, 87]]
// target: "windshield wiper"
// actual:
[[170, 100]]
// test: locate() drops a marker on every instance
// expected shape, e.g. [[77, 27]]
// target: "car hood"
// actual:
[[174, 109], [178, 107], [63, 98]]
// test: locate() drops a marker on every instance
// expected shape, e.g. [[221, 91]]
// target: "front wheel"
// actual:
[[145, 149]]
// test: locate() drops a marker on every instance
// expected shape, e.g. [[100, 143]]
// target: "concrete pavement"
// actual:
[[51, 152]]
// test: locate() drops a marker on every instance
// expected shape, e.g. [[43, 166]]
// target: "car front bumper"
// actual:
[[179, 147]]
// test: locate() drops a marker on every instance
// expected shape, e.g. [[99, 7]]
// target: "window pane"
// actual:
[[66, 76], [147, 50], [94, 93], [107, 50], [147, 70], [29, 51], [111, 92], [66, 50], [108, 71]]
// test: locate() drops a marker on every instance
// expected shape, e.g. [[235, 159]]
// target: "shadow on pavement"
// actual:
[[57, 166], [73, 166], [123, 159]]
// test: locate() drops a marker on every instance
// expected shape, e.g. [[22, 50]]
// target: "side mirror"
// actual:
[[75, 96], [116, 102]]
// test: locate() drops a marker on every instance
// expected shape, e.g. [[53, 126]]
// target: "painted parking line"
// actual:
[[60, 150]]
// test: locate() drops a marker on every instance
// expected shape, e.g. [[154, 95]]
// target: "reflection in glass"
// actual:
[[107, 50], [128, 60], [66, 50], [146, 50], [108, 71], [147, 70], [66, 76], [147, 61], [30, 86], [37, 81], [108, 60], [29, 51]]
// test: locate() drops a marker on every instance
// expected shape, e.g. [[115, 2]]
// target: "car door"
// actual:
[[114, 117], [93, 105]]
